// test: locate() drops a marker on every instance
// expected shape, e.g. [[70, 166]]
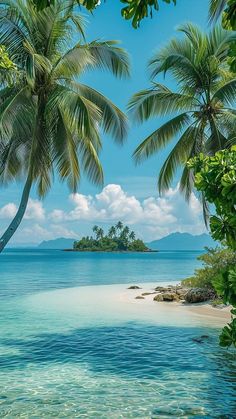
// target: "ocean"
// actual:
[[69, 348]]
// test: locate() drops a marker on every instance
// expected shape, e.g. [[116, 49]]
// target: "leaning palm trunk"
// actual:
[[18, 217]]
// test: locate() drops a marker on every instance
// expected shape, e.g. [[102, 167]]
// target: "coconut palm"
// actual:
[[96, 231], [49, 121], [100, 234], [119, 226], [132, 235], [112, 232], [203, 105]]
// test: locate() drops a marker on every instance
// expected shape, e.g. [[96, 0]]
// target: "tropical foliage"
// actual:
[[135, 10], [8, 69], [50, 123], [118, 238], [215, 261], [203, 105], [226, 9], [216, 177]]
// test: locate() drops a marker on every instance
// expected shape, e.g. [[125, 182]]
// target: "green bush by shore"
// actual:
[[215, 262]]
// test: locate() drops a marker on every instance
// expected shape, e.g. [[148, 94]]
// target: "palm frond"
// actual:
[[158, 100], [215, 9], [113, 120], [179, 156], [227, 92], [161, 137], [107, 55]]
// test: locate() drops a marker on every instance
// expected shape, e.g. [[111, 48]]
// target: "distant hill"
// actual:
[[182, 241], [60, 243]]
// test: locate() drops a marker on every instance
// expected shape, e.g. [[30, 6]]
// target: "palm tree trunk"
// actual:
[[19, 215]]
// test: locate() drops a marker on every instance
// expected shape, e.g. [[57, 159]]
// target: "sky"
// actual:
[[129, 192]]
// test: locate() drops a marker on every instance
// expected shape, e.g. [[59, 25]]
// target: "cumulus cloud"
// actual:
[[34, 211], [154, 216], [8, 211], [151, 218]]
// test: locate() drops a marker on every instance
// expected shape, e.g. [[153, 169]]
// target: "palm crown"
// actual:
[[204, 117], [48, 120]]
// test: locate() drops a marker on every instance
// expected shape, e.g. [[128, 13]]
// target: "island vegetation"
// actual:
[[118, 239]]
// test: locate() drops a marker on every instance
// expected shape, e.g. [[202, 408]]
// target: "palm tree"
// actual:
[[49, 121], [112, 232], [96, 230], [119, 226], [203, 105], [132, 235], [100, 234]]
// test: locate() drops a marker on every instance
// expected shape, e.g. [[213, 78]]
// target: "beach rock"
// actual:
[[139, 297], [162, 289], [200, 339], [134, 287], [158, 297], [199, 295], [168, 296], [181, 292], [147, 293]]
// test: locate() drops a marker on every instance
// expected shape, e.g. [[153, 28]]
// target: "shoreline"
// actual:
[[201, 309], [116, 304]]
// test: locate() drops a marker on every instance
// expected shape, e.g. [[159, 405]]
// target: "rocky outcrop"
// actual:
[[139, 297], [158, 297], [199, 295], [134, 287], [170, 296], [179, 293]]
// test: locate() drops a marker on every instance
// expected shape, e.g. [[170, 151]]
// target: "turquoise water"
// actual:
[[70, 348]]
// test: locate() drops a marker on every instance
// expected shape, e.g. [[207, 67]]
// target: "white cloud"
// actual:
[[8, 211], [34, 211], [154, 217], [151, 218]]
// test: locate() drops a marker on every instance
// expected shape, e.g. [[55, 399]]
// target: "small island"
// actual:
[[118, 239]]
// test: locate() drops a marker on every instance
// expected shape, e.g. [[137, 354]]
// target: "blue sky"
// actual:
[[130, 192]]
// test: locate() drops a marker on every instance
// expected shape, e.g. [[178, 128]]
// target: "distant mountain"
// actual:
[[182, 241], [60, 243]]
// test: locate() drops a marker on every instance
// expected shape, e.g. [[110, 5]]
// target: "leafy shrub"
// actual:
[[215, 178], [215, 261]]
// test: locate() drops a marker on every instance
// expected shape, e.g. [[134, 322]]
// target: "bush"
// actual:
[[215, 178], [215, 262]]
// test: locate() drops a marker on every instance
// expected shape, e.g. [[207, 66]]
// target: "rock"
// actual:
[[200, 339], [158, 297], [168, 296], [199, 295], [161, 289], [139, 297], [134, 287], [181, 292], [147, 293]]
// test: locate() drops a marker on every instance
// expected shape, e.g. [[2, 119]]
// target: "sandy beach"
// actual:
[[114, 304]]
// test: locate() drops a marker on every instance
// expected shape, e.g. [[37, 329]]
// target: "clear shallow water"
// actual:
[[80, 353]]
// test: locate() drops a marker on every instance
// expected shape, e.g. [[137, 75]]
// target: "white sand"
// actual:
[[115, 304]]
